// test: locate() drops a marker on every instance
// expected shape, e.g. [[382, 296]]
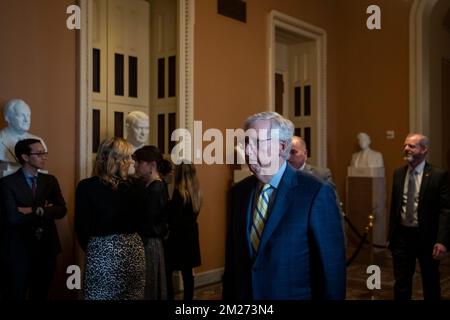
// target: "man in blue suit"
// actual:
[[284, 235]]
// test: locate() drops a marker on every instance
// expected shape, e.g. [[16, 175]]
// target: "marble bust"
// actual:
[[366, 157], [17, 116], [137, 125]]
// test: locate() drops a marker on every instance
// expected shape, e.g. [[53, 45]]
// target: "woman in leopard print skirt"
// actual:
[[109, 210]]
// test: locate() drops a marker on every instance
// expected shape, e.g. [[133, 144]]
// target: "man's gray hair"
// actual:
[[277, 121]]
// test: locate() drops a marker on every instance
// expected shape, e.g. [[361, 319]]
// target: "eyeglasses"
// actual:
[[39, 154], [253, 142]]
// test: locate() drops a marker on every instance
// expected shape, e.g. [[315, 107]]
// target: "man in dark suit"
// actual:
[[284, 239], [298, 160], [299, 155], [419, 220], [30, 201]]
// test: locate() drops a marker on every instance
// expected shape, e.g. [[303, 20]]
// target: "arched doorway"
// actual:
[[297, 54], [429, 75]]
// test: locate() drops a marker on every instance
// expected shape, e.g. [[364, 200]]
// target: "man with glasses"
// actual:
[[284, 235], [30, 201], [18, 117]]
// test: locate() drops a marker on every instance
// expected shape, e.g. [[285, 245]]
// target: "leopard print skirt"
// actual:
[[115, 268]]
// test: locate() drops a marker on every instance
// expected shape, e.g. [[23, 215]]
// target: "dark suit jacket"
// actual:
[[322, 173], [433, 210], [302, 237], [325, 175], [18, 240]]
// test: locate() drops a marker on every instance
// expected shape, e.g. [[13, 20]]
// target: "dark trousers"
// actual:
[[186, 273], [406, 248], [29, 278], [188, 284], [169, 278]]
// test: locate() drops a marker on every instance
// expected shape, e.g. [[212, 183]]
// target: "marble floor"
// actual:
[[357, 276], [356, 279]]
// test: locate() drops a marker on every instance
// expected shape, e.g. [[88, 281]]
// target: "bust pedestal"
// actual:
[[365, 172], [366, 194]]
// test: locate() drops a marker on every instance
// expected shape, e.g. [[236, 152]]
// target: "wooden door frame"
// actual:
[[280, 20], [185, 78], [284, 74], [419, 66], [445, 143]]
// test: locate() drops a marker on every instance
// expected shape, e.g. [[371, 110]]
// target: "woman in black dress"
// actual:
[[151, 168], [183, 242], [109, 210]]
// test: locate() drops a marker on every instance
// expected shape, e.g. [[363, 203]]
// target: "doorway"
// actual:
[[429, 46], [297, 86], [445, 80], [134, 55]]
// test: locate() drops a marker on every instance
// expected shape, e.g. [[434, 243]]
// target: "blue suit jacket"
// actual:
[[301, 254]]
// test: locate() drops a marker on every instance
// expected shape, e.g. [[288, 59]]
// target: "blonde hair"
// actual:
[[112, 161], [187, 184]]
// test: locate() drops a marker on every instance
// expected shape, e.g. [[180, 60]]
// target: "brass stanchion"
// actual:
[[369, 230]]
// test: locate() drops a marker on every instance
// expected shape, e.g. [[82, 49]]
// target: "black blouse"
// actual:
[[101, 210], [155, 220]]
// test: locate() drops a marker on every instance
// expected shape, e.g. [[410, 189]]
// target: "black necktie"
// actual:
[[410, 195]]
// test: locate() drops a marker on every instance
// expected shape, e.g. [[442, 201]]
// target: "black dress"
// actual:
[[154, 229], [183, 242]]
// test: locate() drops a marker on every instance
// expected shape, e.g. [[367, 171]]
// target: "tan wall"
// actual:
[[38, 64], [231, 83], [372, 86], [367, 86]]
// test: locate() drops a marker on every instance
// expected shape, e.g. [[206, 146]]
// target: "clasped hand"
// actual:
[[29, 210]]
